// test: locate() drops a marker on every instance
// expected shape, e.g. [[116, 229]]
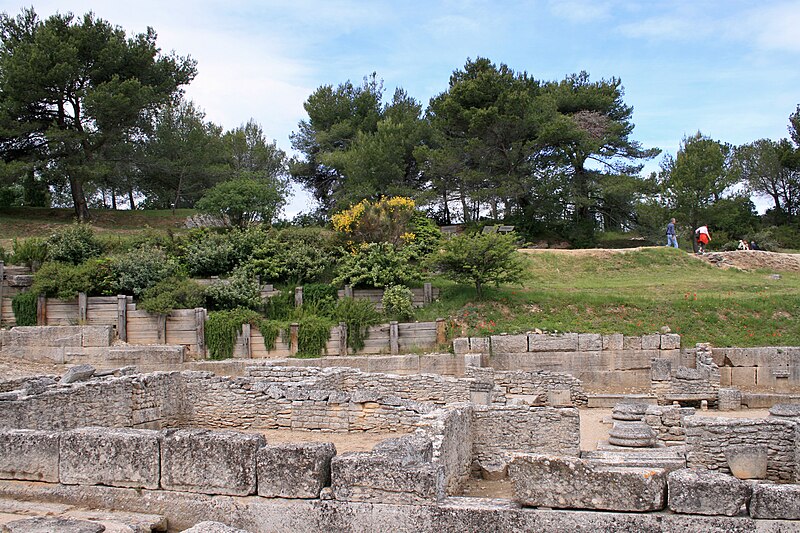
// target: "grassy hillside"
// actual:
[[635, 293], [40, 222]]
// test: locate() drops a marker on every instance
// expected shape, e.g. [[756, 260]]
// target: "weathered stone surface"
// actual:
[[631, 343], [785, 410], [52, 525], [110, 456], [294, 470], [371, 477], [632, 435], [629, 411], [590, 342], [479, 344], [509, 343], [407, 450], [670, 341], [613, 342], [213, 527], [461, 345], [28, 454], [651, 342], [552, 343], [494, 470], [559, 398], [730, 399], [210, 462], [775, 502], [706, 492], [747, 462], [660, 370], [571, 483], [77, 373], [37, 385]]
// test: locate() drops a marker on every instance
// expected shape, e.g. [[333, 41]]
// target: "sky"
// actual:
[[727, 68]]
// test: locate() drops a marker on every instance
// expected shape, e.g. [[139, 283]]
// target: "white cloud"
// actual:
[[581, 11]]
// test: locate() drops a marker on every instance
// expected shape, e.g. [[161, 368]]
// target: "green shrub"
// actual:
[[213, 253], [427, 237], [221, 330], [377, 265], [239, 290], [312, 336], [398, 302], [138, 270], [24, 307], [320, 298], [289, 262], [358, 315], [60, 280], [171, 294], [74, 244], [279, 306], [31, 252]]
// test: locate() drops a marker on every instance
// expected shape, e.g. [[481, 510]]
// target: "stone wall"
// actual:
[[501, 431], [707, 439], [599, 361], [683, 384], [776, 367], [667, 422], [451, 435]]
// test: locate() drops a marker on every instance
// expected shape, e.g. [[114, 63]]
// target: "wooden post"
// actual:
[[294, 332], [41, 311], [248, 348], [2, 289], [122, 317], [394, 338], [342, 338], [83, 303], [427, 293], [298, 296], [441, 331], [348, 291], [161, 329], [200, 331]]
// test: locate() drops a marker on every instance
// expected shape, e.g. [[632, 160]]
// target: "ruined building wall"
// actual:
[[707, 438]]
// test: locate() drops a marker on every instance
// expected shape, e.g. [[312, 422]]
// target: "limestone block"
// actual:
[[96, 336], [210, 462], [725, 376], [775, 502], [42, 524], [670, 341], [146, 354], [479, 344], [213, 527], [559, 398], [614, 341], [631, 343], [571, 483], [590, 342], [116, 457], [743, 377], [294, 470], [29, 455], [546, 343], [509, 343], [375, 478], [407, 450], [461, 345], [651, 342], [660, 370], [706, 492], [730, 399], [494, 470], [77, 373], [472, 359]]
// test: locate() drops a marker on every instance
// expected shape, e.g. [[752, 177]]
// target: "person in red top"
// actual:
[[703, 238]]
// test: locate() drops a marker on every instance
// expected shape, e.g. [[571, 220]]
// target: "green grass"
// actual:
[[633, 293], [19, 222]]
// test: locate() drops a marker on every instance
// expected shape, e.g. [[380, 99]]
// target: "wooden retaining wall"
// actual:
[[9, 287]]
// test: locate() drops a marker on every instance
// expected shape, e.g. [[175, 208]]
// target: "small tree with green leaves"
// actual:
[[244, 201], [480, 259]]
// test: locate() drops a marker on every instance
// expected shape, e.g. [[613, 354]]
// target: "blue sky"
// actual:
[[730, 69]]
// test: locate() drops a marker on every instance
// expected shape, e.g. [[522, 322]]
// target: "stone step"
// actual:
[[667, 460], [610, 400]]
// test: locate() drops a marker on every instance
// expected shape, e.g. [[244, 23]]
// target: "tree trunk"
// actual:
[[130, 198], [113, 199], [79, 199]]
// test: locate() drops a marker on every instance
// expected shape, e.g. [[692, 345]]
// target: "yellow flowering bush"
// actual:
[[386, 220]]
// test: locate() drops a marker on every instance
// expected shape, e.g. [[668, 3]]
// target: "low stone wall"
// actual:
[[707, 439], [499, 432], [774, 367], [599, 361], [667, 422], [684, 384]]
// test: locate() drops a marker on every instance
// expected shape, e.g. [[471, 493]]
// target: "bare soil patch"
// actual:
[[361, 441], [755, 260], [11, 368]]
